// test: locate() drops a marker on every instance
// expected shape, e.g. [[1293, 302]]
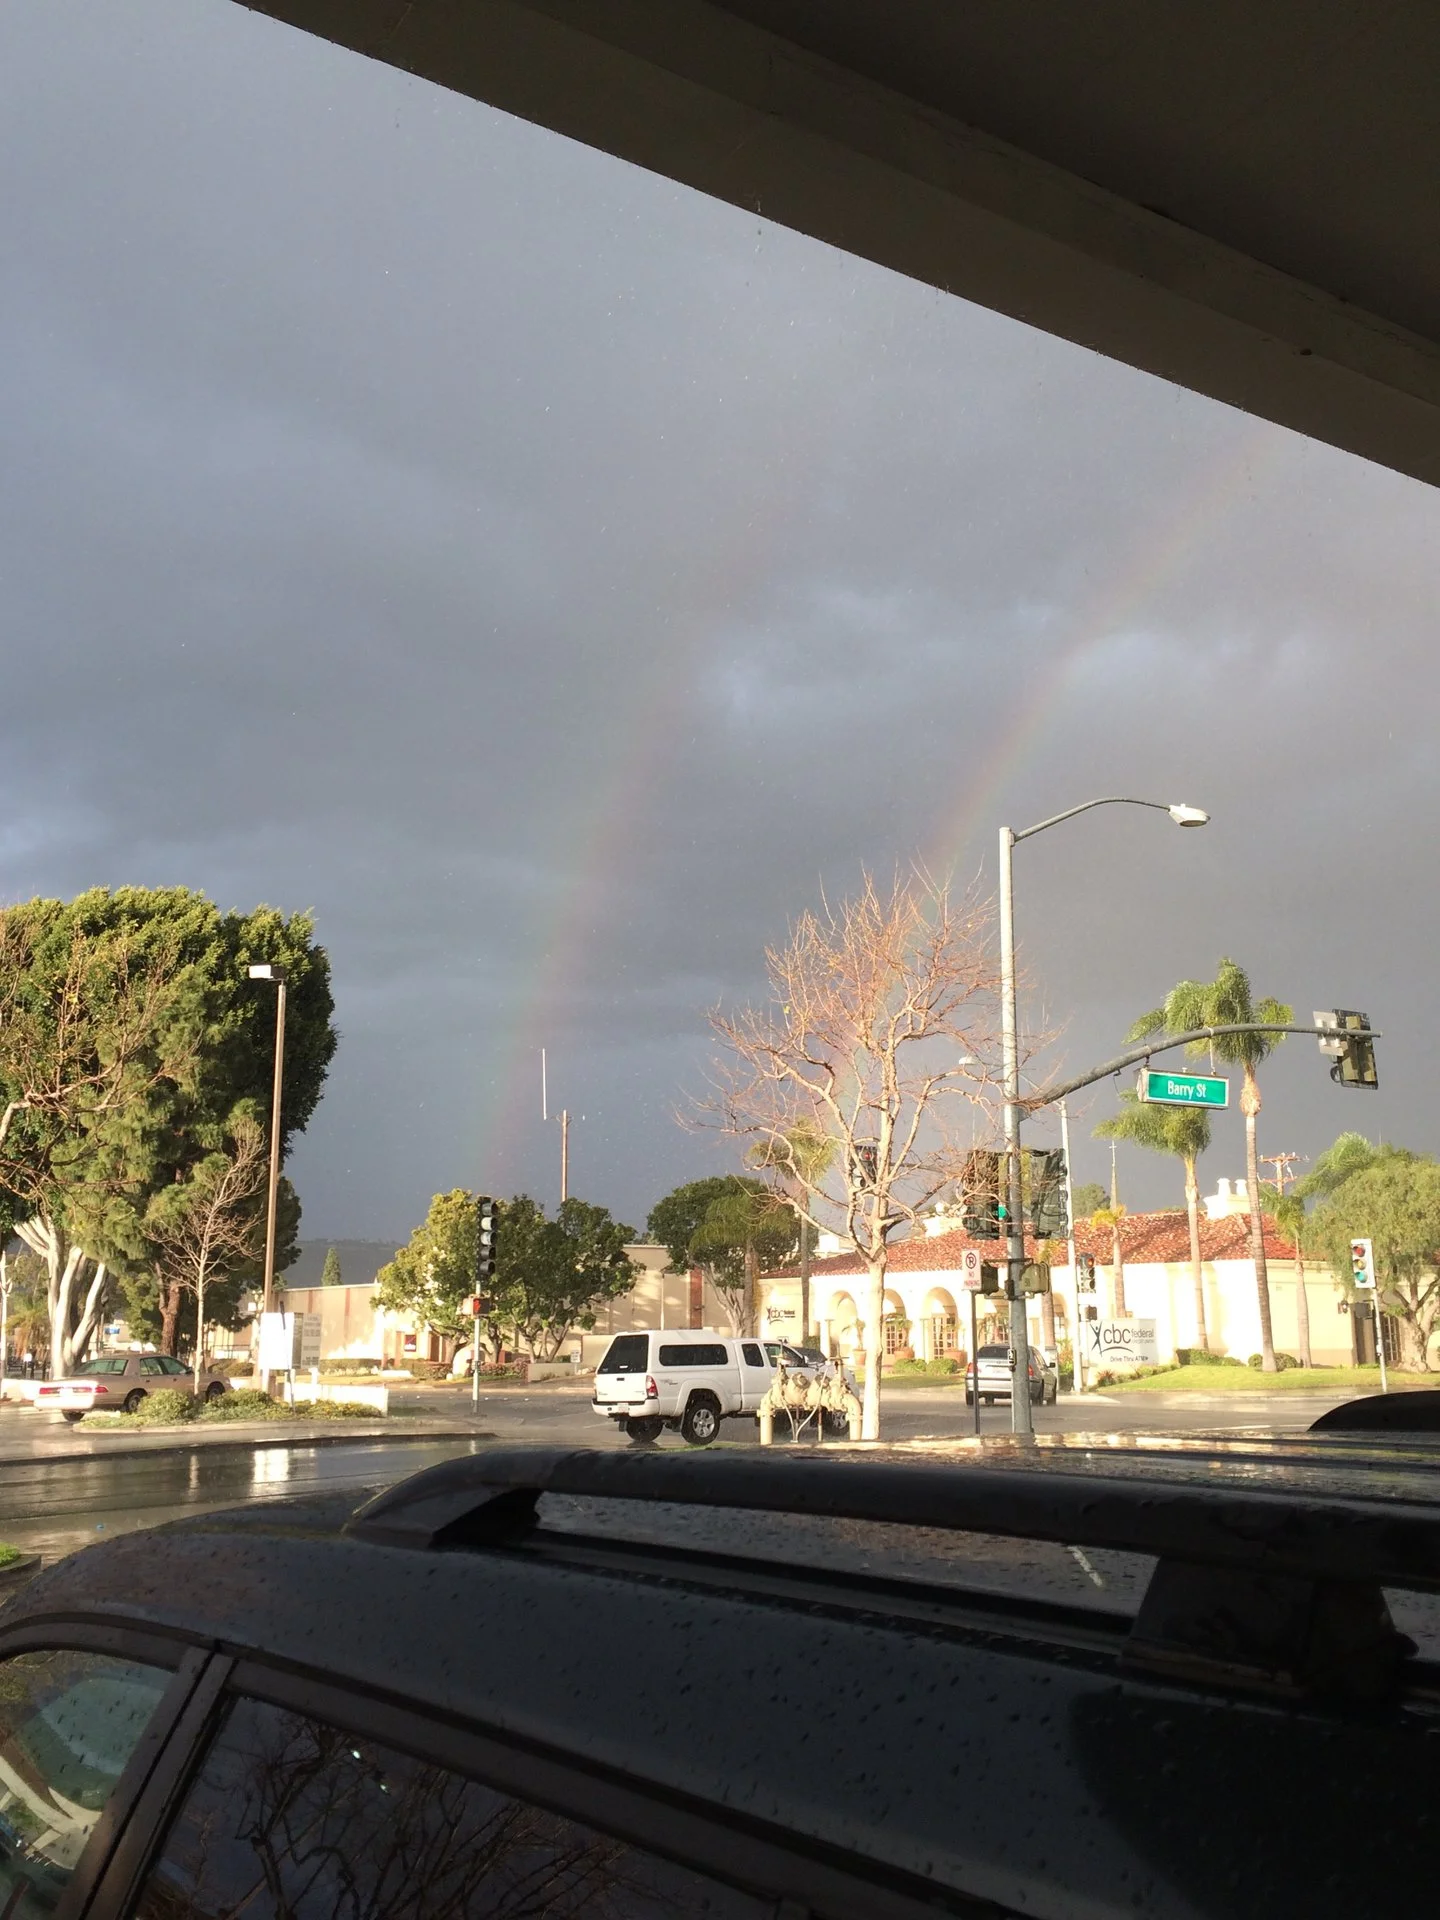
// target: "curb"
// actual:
[[259, 1436]]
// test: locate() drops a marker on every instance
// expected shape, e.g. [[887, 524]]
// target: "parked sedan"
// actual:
[[120, 1382], [994, 1377]]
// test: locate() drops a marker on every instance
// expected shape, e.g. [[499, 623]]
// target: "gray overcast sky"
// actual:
[[552, 578]]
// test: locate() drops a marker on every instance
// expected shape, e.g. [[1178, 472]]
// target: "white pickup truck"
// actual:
[[684, 1378]]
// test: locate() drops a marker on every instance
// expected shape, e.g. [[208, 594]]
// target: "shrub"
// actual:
[[336, 1410], [9, 1555], [248, 1404], [1198, 1357], [165, 1407], [352, 1366], [1283, 1362]]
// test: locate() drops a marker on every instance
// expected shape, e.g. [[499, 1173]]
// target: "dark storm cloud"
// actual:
[[552, 577]]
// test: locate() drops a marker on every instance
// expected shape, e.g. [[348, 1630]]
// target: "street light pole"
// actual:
[[267, 1296], [1021, 1416]]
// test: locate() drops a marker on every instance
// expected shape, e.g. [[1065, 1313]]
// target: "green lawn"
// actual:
[[1251, 1380]]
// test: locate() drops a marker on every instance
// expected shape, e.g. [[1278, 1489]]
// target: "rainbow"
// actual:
[[645, 762]]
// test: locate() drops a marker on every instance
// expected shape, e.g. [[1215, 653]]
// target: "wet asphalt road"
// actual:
[[55, 1506]]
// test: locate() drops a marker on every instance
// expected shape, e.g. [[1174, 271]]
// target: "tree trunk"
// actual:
[[874, 1348], [89, 1317], [1047, 1319], [169, 1315], [1250, 1106], [752, 1287], [804, 1281], [1302, 1307], [1197, 1265], [1117, 1273]]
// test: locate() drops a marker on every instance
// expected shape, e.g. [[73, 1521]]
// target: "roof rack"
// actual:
[[1252, 1588]]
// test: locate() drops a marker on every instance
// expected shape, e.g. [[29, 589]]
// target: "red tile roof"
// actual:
[[1144, 1238]]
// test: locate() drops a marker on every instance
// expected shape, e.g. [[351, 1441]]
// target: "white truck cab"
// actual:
[[684, 1377]]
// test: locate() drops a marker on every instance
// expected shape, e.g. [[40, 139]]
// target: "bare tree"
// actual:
[[210, 1225], [883, 1013]]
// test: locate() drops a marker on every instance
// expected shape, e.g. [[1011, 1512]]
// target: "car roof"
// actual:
[[579, 1633]]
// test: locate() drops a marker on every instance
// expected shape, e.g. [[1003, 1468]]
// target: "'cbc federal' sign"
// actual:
[[1122, 1343]]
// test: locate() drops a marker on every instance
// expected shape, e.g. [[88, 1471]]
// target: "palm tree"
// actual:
[[1184, 1132], [1111, 1217], [1287, 1210], [1227, 1001], [801, 1156]]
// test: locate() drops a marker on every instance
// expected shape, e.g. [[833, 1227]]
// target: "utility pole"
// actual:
[[276, 975], [564, 1118], [1282, 1163]]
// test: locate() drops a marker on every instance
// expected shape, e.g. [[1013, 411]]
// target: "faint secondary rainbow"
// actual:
[[1218, 487]]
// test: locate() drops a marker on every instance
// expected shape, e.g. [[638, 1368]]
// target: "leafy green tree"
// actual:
[[1088, 1196], [728, 1226], [131, 1045], [1185, 1133], [554, 1273], [1228, 1000], [432, 1277], [1109, 1219], [1394, 1202], [330, 1275]]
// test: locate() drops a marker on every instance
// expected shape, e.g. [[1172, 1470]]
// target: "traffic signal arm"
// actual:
[[1045, 1096]]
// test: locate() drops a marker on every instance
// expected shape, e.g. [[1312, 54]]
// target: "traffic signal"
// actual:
[[1351, 1047], [1085, 1272], [981, 1209], [1362, 1264], [1034, 1278], [1048, 1212], [484, 1240], [863, 1164]]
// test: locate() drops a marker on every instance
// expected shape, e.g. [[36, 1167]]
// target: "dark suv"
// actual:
[[633, 1685]]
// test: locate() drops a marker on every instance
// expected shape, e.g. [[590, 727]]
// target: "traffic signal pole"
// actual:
[[1021, 1413]]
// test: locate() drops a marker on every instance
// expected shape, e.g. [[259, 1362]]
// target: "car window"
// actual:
[[106, 1363], [699, 1355], [291, 1817], [150, 1366], [993, 1353], [794, 1357], [627, 1353], [68, 1724], [169, 1365], [772, 1347], [753, 1356]]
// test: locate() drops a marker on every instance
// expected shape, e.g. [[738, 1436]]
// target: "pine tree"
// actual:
[[330, 1272]]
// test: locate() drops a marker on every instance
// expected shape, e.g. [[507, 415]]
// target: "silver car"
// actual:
[[119, 1382], [993, 1379]]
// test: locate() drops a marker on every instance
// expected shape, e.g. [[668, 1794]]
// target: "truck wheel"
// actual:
[[644, 1432], [701, 1422]]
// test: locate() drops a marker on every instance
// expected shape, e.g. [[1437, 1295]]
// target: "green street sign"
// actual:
[[1181, 1089]]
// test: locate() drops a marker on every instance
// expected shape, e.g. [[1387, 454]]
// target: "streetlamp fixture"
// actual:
[[267, 970], [1021, 1417]]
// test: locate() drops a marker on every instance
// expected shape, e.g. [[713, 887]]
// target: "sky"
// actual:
[[554, 579]]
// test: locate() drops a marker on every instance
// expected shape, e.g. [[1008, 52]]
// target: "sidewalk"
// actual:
[[26, 1437]]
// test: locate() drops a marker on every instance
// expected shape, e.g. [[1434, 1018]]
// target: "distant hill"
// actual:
[[360, 1261]]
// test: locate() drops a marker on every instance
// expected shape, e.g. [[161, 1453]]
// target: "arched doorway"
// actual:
[[842, 1331], [897, 1329], [939, 1326]]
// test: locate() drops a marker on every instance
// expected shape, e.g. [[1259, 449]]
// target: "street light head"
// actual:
[[1184, 816], [267, 970]]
